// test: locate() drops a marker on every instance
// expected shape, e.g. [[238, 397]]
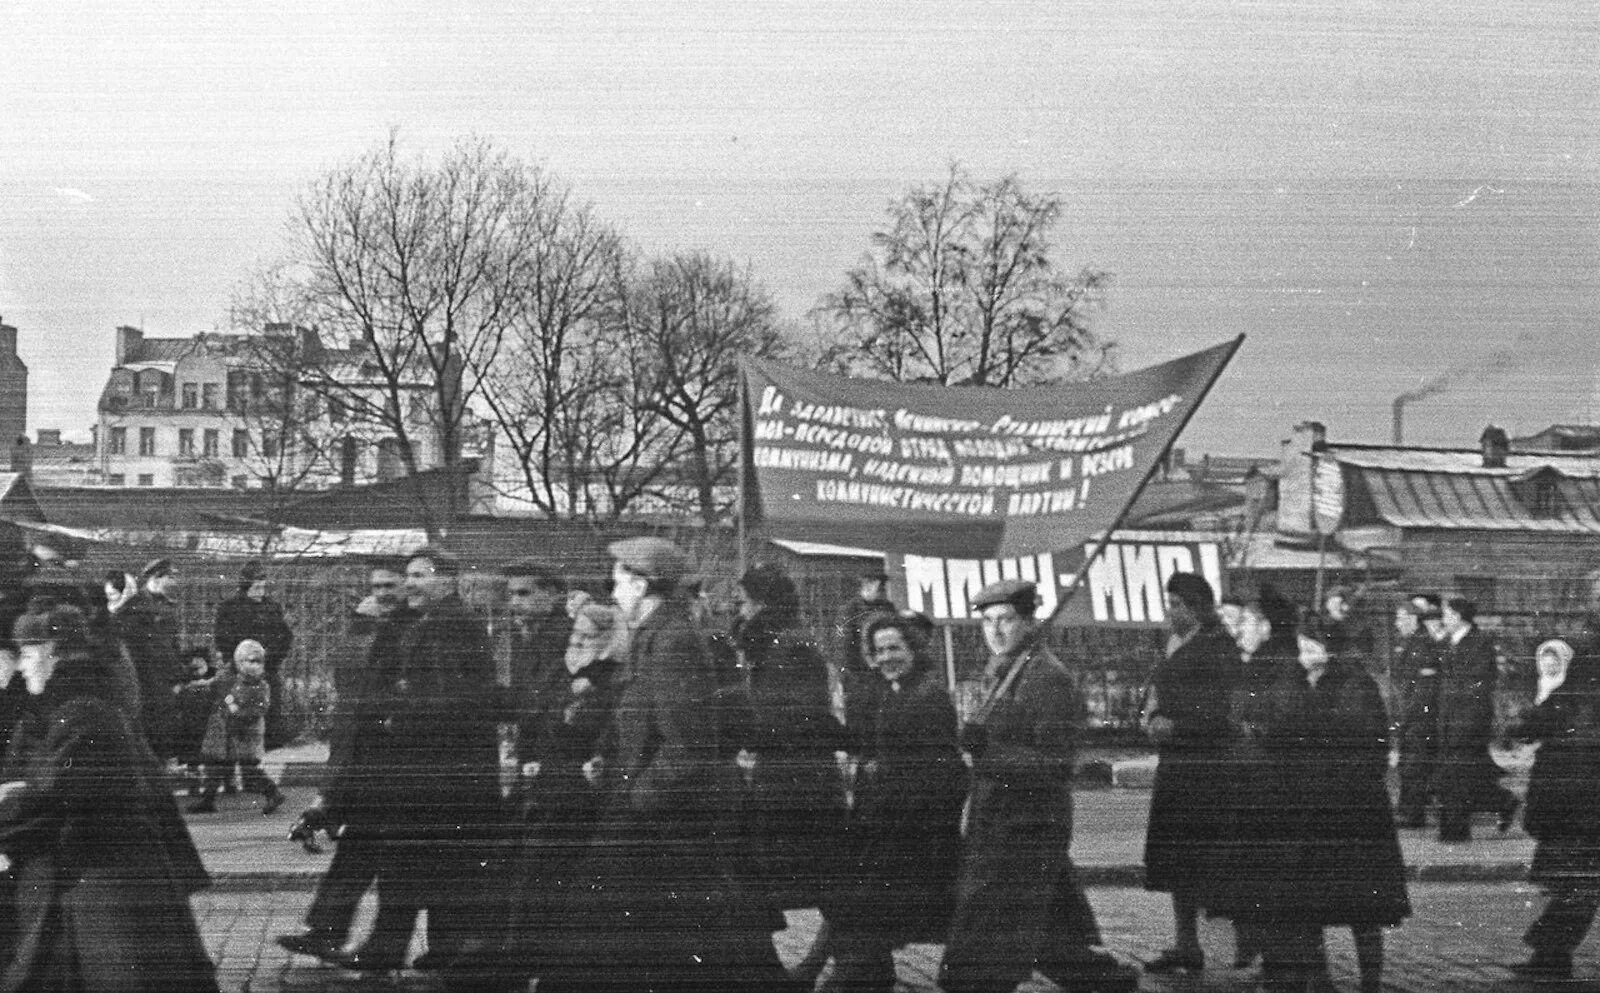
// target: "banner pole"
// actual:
[[741, 526], [1156, 463]]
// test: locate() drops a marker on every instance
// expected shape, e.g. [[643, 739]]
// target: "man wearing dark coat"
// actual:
[[537, 636], [1018, 905], [1468, 779], [354, 805], [664, 913], [1416, 684], [442, 757], [251, 614], [148, 628]]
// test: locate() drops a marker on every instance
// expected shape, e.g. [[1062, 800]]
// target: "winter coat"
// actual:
[[903, 843], [1416, 683], [792, 802], [1467, 775], [194, 699], [240, 618], [103, 868], [1187, 844], [537, 656], [1019, 821], [237, 733], [1326, 850], [1563, 786], [365, 791], [147, 626]]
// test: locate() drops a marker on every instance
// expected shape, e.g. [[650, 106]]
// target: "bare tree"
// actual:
[[421, 266], [961, 288], [693, 316]]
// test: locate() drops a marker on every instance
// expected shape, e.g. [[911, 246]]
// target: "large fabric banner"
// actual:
[[959, 472]]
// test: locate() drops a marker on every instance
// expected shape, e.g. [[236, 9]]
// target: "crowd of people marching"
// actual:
[[678, 787]]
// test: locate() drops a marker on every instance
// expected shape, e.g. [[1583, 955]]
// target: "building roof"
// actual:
[[1478, 501], [1463, 461]]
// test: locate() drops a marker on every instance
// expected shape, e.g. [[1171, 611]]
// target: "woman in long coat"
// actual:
[[903, 843], [103, 883], [1187, 712], [787, 736], [1328, 853], [1560, 809]]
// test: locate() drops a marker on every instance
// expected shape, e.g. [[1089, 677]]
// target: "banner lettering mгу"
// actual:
[[959, 472]]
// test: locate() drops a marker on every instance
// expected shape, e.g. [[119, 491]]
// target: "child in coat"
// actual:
[[195, 698], [237, 731]]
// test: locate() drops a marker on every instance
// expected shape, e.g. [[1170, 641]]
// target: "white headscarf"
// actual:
[[1554, 658]]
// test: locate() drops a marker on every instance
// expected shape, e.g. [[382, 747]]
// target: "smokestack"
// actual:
[[1495, 446], [1398, 435]]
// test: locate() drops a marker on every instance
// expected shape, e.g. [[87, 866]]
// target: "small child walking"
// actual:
[[194, 695], [237, 731]]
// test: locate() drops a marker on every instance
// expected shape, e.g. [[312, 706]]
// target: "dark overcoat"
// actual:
[[147, 626], [664, 909], [239, 618], [903, 843], [1561, 809], [1467, 775], [1326, 851], [102, 880], [363, 792], [793, 800], [1019, 827], [1187, 842]]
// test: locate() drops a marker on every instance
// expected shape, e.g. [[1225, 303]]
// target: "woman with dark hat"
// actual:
[[252, 615], [1187, 714], [786, 738], [1326, 852], [903, 844], [103, 883]]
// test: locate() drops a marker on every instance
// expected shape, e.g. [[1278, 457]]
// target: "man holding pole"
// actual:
[[1018, 903]]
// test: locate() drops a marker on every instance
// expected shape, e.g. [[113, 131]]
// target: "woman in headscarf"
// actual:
[[102, 885], [561, 779], [903, 843], [1327, 853], [1560, 811]]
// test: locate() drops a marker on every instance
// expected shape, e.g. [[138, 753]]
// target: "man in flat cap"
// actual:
[[662, 913], [1018, 903], [148, 627]]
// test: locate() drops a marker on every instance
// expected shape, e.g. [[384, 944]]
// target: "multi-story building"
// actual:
[[13, 387], [275, 409]]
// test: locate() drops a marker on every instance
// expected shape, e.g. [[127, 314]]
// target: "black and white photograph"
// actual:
[[799, 496]]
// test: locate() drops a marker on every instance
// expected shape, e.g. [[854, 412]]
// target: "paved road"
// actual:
[[1461, 938]]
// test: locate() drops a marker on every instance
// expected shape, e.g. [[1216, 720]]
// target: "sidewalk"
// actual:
[[242, 848]]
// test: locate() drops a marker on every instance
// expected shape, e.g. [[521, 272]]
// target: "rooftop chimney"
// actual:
[[128, 341], [1496, 446]]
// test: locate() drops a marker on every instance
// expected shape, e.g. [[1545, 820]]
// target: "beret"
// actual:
[[1017, 592], [1192, 589], [652, 558]]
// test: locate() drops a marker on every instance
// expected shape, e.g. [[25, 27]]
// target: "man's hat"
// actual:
[[156, 567], [1020, 593], [652, 558], [1193, 590]]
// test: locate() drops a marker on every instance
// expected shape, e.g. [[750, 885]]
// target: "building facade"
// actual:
[[278, 409], [13, 387]]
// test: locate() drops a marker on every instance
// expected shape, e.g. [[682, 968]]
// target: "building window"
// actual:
[[147, 441], [241, 482], [238, 389], [269, 445], [118, 441], [211, 441], [186, 441], [117, 479], [241, 443], [146, 479], [191, 396], [209, 393]]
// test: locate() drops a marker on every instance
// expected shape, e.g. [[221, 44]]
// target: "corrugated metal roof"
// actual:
[[1464, 461], [1477, 501]]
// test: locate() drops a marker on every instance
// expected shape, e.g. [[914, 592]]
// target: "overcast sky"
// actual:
[[1378, 194]]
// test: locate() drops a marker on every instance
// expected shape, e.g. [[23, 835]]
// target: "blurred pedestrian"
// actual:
[[362, 803], [538, 633], [147, 625], [1416, 684], [194, 699], [903, 843], [1326, 853], [1467, 777], [872, 597], [236, 732], [1018, 905], [1187, 715], [251, 614], [103, 875]]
